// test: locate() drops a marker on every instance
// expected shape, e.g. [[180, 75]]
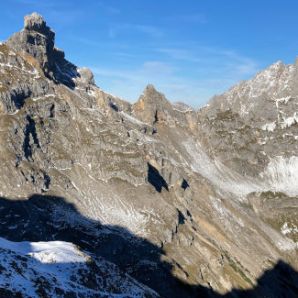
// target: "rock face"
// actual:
[[38, 40], [184, 203], [153, 107], [256, 121]]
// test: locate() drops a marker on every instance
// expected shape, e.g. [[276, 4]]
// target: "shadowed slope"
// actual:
[[48, 218]]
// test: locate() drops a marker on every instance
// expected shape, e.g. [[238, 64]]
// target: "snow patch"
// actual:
[[289, 121], [29, 267], [269, 126], [118, 212], [43, 97], [286, 229], [219, 174], [282, 100], [281, 175], [46, 252]]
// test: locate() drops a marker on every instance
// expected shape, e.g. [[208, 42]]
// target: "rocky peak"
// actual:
[[152, 106], [258, 95], [150, 88], [38, 40], [31, 64], [256, 121], [35, 22], [151, 94]]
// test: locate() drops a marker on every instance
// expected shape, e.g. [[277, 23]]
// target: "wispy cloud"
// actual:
[[116, 30], [150, 30], [179, 54], [57, 16], [214, 58], [139, 74], [191, 76], [129, 82]]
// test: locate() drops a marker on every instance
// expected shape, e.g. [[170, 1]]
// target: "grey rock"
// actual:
[[153, 107], [36, 23]]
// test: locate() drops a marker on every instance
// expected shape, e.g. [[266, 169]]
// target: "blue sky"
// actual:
[[190, 49]]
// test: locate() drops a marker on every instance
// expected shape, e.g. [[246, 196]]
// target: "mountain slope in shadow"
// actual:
[[49, 218]]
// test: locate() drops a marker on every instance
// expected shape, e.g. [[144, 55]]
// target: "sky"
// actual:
[[189, 50]]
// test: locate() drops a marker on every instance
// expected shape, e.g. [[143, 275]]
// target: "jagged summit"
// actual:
[[259, 93], [152, 106], [32, 66], [38, 40], [151, 94], [35, 22], [150, 87], [256, 119]]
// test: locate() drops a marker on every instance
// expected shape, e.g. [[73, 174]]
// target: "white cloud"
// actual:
[[179, 54], [150, 30], [213, 60], [116, 30], [141, 74]]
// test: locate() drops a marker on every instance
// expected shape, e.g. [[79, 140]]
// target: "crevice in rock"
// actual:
[[31, 138], [155, 117], [18, 160], [181, 217], [47, 182], [52, 111], [189, 214]]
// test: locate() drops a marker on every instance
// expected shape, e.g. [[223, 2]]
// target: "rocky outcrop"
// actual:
[[256, 120], [38, 40], [152, 107]]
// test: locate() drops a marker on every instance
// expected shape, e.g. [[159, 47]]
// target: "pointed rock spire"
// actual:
[[35, 22], [38, 40], [152, 106]]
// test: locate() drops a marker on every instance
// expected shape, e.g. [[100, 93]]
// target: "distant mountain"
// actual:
[[153, 198]]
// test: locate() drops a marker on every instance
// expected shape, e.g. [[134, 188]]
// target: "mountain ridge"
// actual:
[[211, 190]]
